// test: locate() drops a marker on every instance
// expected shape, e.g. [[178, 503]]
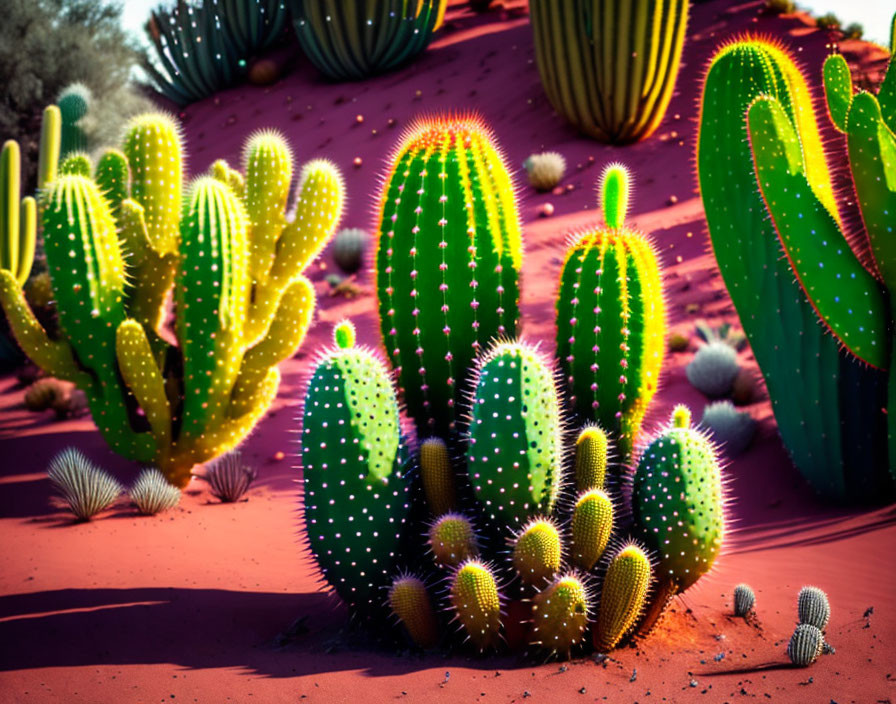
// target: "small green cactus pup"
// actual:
[[622, 596], [806, 644], [452, 540], [560, 614], [537, 552], [447, 265], [744, 600], [476, 601], [355, 499], [813, 607], [677, 502], [437, 476], [713, 369], [514, 450], [611, 325], [590, 528], [592, 449], [348, 249], [410, 602]]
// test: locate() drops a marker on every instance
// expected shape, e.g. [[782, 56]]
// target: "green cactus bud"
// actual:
[[813, 607], [537, 552], [413, 607], [76, 164], [344, 334], [622, 597], [452, 540], [476, 600], [514, 451], [805, 645], [437, 476], [592, 448], [74, 102], [591, 528], [560, 614]]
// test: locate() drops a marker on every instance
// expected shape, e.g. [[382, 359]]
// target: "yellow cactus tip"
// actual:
[[452, 539], [681, 416], [163, 121], [344, 334], [410, 602], [432, 131], [615, 192], [537, 551]]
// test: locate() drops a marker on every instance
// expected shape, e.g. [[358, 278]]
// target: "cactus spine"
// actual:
[[73, 102], [411, 604], [447, 262], [609, 66], [591, 527], [622, 597], [355, 498], [610, 319], [760, 154], [476, 601], [560, 614], [201, 397], [514, 451]]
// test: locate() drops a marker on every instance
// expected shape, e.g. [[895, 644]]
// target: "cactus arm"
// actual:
[[845, 296], [54, 357], [872, 161], [268, 176], [285, 334], [10, 176], [142, 375], [50, 145], [837, 89], [113, 178], [28, 240]]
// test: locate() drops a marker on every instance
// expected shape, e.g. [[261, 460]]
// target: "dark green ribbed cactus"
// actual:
[[677, 505], [355, 499], [609, 66], [73, 102], [353, 39], [447, 263], [611, 319], [766, 188], [115, 246], [514, 451]]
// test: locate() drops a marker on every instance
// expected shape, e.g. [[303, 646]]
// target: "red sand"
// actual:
[[214, 603]]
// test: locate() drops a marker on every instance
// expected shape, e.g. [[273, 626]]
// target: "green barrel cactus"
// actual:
[[117, 243], [447, 263], [611, 327], [817, 319], [609, 66], [354, 39], [514, 448], [677, 505], [355, 501]]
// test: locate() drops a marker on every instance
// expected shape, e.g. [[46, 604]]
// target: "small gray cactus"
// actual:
[[744, 600], [85, 488], [229, 477], [805, 645], [813, 607], [713, 369], [152, 493], [545, 170], [348, 249], [733, 430]]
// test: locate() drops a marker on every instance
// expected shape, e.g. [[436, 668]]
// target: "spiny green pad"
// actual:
[[560, 614], [591, 527], [355, 499], [592, 448], [806, 644], [611, 328], [677, 502], [813, 607], [447, 263], [837, 89], [437, 475], [514, 451], [622, 597], [475, 599], [537, 552], [452, 540], [411, 604]]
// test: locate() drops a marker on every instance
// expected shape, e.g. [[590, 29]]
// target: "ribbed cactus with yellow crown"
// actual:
[[118, 241]]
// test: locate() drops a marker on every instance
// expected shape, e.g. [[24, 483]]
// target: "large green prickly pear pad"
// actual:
[[677, 502], [514, 451], [355, 499]]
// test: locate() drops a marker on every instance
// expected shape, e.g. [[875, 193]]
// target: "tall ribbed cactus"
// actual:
[[759, 155], [447, 263], [353, 39], [514, 452], [115, 246], [609, 66], [610, 319], [73, 102], [355, 499]]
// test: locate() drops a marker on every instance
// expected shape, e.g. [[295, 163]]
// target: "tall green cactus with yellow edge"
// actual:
[[609, 66], [817, 318], [447, 263], [611, 319], [117, 242]]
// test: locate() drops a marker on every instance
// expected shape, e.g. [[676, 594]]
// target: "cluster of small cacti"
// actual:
[[807, 641], [545, 170], [120, 236], [498, 500], [766, 187]]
